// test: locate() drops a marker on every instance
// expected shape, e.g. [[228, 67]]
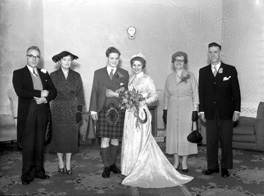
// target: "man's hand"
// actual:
[[40, 100], [110, 93], [236, 116], [44, 93], [202, 117], [94, 116]]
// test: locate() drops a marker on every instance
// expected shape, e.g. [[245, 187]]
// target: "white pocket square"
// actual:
[[121, 84], [226, 78]]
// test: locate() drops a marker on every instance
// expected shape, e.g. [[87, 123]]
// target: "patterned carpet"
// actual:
[[247, 177]]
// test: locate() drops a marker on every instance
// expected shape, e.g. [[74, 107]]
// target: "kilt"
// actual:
[[107, 130]]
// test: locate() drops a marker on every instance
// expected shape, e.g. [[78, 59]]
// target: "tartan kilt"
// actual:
[[104, 129]]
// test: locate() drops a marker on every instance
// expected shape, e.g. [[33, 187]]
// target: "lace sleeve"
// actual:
[[151, 91]]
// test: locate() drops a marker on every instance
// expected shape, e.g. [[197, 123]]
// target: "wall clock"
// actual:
[[131, 32]]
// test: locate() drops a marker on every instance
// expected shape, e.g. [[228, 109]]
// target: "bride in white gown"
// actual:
[[142, 161]]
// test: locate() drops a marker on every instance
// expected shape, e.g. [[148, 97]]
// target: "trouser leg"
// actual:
[[212, 144]]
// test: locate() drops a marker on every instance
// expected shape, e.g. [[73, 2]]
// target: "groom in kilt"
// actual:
[[108, 82]]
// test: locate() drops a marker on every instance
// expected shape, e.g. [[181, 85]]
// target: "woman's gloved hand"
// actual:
[[164, 116], [194, 116], [79, 114]]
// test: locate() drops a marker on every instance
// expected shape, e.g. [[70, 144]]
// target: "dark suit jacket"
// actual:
[[101, 82], [24, 89], [221, 93]]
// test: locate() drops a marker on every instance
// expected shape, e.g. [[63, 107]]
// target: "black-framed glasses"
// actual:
[[32, 56]]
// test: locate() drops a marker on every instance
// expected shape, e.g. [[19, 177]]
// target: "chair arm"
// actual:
[[259, 128]]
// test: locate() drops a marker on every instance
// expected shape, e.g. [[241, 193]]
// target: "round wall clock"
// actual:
[[131, 32]]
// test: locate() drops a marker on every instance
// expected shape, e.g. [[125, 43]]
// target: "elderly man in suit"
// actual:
[[108, 82], [34, 89], [220, 102]]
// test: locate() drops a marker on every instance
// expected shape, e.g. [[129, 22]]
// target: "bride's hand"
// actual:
[[120, 90], [142, 102], [136, 113]]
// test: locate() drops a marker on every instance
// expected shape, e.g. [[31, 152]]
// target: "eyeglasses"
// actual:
[[179, 61], [32, 56]]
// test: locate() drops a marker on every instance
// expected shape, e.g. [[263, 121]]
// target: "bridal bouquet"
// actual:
[[131, 99]]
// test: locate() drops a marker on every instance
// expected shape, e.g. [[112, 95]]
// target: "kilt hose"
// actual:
[[107, 130]]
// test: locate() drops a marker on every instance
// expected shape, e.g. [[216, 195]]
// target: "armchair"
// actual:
[[8, 122], [248, 133]]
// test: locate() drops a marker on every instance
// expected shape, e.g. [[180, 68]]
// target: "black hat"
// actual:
[[59, 56]]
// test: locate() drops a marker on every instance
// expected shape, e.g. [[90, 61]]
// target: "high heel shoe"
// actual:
[[178, 167], [60, 170], [185, 170], [69, 172]]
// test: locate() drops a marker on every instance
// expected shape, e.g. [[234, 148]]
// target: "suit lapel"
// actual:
[[219, 76], [106, 75], [42, 77], [209, 72], [28, 78]]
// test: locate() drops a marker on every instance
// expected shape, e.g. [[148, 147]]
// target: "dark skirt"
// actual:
[[109, 130]]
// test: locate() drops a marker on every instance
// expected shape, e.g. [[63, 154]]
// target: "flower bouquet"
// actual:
[[131, 99]]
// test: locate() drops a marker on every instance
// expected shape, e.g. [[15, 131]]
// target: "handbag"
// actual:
[[195, 136]]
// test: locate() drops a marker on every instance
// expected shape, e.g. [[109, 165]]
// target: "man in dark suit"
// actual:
[[220, 102], [108, 82], [34, 89]]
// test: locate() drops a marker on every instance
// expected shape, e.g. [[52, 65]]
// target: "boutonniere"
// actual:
[[119, 75], [43, 71], [185, 78], [220, 70]]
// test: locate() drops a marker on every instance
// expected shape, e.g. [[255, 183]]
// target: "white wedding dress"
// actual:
[[142, 161]]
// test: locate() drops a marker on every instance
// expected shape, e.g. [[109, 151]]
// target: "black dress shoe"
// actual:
[[45, 176], [25, 182], [178, 167], [210, 171], [106, 172], [225, 173], [19, 146], [185, 170], [60, 170], [115, 169], [69, 172]]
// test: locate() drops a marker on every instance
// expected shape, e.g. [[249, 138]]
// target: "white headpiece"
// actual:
[[139, 54]]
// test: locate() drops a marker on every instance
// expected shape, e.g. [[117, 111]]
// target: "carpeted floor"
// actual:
[[247, 177]]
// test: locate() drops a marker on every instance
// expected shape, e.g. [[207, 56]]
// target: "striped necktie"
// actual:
[[214, 70], [35, 73]]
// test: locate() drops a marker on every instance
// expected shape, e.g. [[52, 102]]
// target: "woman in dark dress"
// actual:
[[66, 110]]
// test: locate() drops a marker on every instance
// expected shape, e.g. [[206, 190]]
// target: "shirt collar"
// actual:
[[31, 69], [217, 66], [108, 68]]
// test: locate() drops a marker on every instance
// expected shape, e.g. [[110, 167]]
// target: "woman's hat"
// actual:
[[59, 56]]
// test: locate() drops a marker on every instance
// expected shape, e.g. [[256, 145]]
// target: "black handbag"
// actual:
[[195, 136]]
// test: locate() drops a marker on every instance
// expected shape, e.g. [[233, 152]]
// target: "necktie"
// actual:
[[35, 73], [111, 74], [214, 70]]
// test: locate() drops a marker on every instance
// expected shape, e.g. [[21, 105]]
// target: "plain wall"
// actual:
[[88, 27]]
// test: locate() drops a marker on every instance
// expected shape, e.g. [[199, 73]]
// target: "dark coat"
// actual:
[[64, 109], [221, 93], [24, 89], [101, 82]]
